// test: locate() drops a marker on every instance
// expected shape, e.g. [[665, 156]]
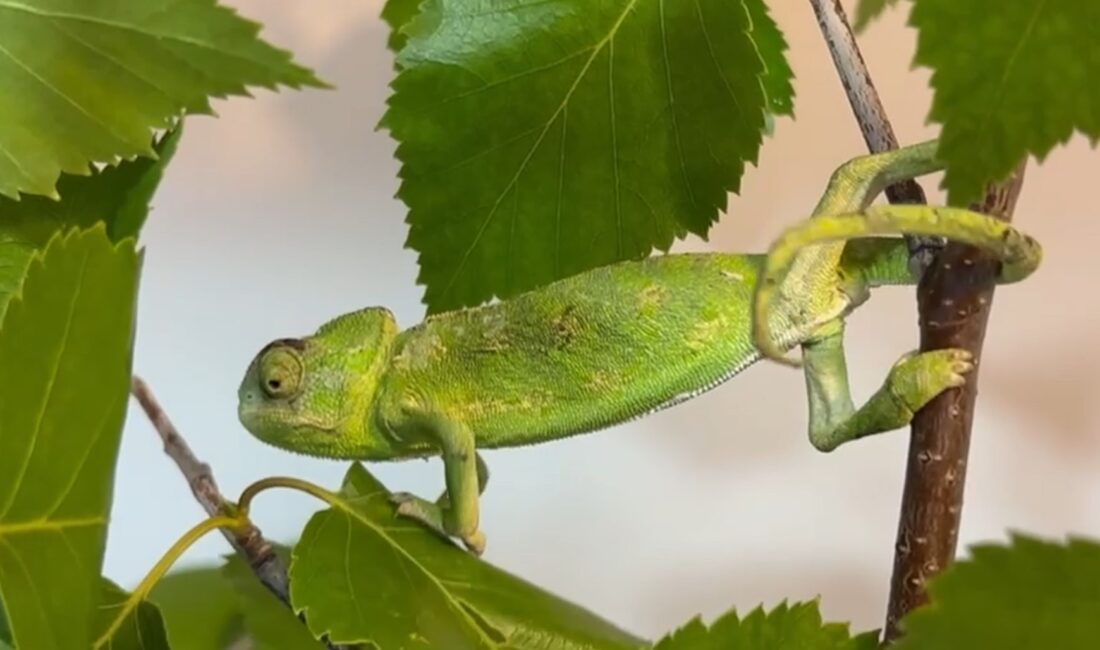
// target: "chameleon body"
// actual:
[[617, 343]]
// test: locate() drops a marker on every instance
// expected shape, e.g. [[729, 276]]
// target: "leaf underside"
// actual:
[[64, 376]]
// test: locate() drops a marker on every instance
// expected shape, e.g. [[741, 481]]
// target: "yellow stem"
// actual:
[[161, 567], [252, 490]]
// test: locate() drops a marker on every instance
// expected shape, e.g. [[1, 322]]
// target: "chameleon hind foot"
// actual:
[[434, 518], [916, 378], [913, 381]]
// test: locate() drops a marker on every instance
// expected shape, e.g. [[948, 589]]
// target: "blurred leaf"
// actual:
[[1019, 79], [143, 628], [64, 376], [89, 81], [5, 630], [397, 14], [1029, 594], [200, 609], [118, 196], [771, 45], [868, 10], [270, 623], [784, 628], [362, 574], [543, 139]]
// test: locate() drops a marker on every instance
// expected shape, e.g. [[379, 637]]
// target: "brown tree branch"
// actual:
[[249, 543], [954, 299]]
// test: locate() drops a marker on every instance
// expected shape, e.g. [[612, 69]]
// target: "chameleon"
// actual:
[[620, 342]]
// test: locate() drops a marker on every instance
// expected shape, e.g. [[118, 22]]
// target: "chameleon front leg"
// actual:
[[912, 382], [456, 513]]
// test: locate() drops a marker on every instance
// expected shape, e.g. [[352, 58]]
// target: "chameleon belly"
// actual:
[[584, 353]]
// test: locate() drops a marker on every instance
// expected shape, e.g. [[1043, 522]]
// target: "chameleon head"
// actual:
[[314, 395]]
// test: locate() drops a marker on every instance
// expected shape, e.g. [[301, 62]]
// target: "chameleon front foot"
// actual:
[[433, 517]]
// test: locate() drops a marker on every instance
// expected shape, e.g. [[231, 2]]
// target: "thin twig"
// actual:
[[870, 115], [954, 297], [249, 543]]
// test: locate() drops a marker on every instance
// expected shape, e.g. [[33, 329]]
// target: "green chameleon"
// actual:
[[618, 343]]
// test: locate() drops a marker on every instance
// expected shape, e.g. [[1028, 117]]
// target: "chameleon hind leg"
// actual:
[[911, 383], [917, 377], [460, 520]]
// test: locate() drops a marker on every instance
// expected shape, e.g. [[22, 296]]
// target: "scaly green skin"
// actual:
[[618, 343]]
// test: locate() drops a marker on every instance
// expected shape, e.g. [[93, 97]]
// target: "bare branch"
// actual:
[[954, 298], [870, 115], [250, 543]]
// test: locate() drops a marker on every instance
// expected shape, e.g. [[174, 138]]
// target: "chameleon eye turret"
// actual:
[[281, 372]]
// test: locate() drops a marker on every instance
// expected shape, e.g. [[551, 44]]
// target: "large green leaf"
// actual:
[[362, 574], [541, 139], [143, 628], [200, 609], [1011, 79], [269, 622], [118, 196], [88, 81], [64, 379], [1029, 594], [786, 627]]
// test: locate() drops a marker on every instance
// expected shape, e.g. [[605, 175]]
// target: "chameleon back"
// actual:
[[583, 353]]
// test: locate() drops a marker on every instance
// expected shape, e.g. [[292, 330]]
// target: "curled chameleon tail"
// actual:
[[1019, 253]]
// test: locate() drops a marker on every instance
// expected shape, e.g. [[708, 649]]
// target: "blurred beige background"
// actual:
[[280, 214]]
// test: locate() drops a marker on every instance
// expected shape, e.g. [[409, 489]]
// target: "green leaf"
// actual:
[[397, 14], [200, 609], [118, 196], [89, 81], [783, 628], [270, 623], [5, 630], [64, 377], [1010, 79], [541, 139], [868, 10], [771, 46], [1029, 594], [143, 628], [360, 573]]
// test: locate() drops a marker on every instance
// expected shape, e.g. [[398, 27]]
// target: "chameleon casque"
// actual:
[[617, 343]]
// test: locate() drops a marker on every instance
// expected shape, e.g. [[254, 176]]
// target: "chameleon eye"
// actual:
[[280, 373]]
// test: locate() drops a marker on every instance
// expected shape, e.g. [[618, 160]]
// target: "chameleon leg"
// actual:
[[912, 382], [482, 481], [459, 516]]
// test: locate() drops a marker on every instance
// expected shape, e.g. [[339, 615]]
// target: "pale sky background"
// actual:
[[280, 215]]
